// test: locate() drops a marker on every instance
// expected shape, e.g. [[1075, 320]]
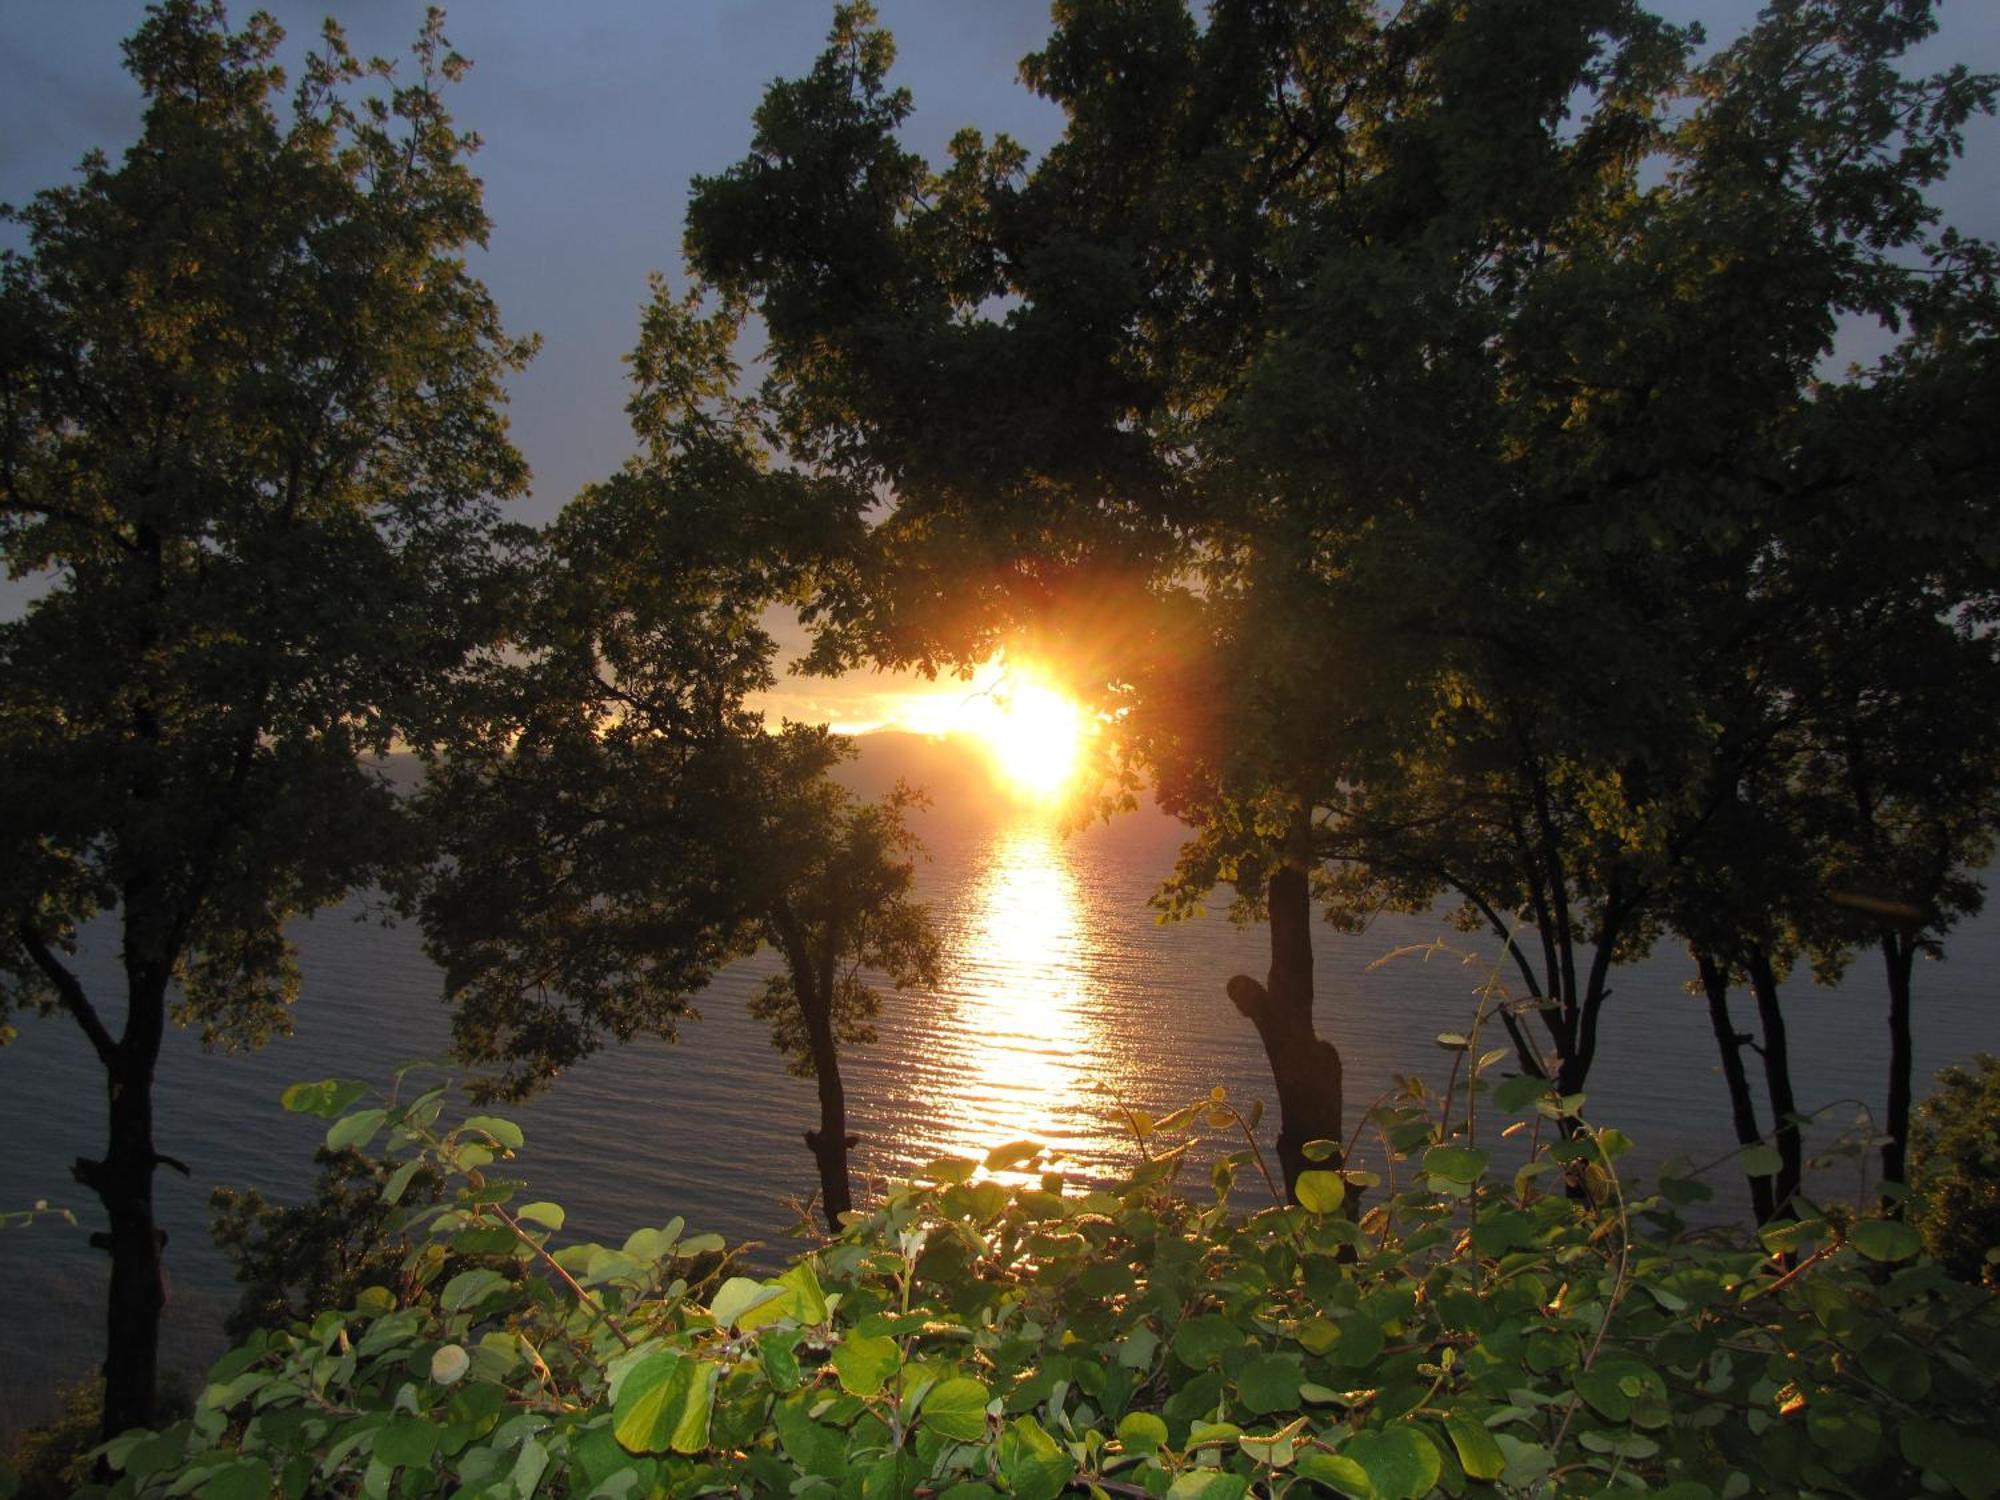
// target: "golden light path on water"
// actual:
[[1025, 1052]]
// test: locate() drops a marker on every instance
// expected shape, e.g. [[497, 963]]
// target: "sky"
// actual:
[[596, 114]]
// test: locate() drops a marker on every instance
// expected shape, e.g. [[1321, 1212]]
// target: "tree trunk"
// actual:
[[831, 1142], [1778, 1083], [1305, 1067], [1742, 1106], [123, 1182], [1898, 952]]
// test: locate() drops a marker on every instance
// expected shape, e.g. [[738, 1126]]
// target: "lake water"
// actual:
[[1060, 992]]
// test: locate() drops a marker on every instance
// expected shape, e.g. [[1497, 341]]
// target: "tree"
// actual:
[[250, 438], [1438, 390], [619, 825]]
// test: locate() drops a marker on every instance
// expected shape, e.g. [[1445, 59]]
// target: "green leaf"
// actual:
[[1338, 1473], [467, 1287], [1884, 1239], [1402, 1463], [1761, 1161], [738, 1295], [1031, 1462], [865, 1364], [355, 1130], [1457, 1164], [664, 1404], [1006, 1158], [808, 1300], [1320, 1192], [1270, 1383], [814, 1447], [1208, 1484], [245, 1479], [327, 1098], [956, 1409], [1142, 1432], [506, 1132], [1202, 1340], [1478, 1454], [406, 1442], [1516, 1093], [548, 1215]]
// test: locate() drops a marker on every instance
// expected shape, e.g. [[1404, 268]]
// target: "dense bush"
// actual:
[[294, 1259], [1955, 1171], [993, 1328]]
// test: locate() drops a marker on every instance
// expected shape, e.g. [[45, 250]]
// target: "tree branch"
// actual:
[[70, 990]]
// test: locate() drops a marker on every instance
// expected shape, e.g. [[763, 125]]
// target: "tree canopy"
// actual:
[[251, 448], [1419, 429]]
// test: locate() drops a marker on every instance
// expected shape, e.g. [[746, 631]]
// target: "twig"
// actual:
[[568, 1280]]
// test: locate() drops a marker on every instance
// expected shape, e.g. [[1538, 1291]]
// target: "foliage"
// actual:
[[296, 1260], [1418, 423], [616, 822], [251, 442], [52, 1462], [1955, 1176], [995, 1327]]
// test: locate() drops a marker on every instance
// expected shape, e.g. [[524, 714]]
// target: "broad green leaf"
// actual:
[[548, 1215], [1458, 1164], [1006, 1158], [1884, 1239], [808, 1300], [467, 1287], [1142, 1432], [1270, 1383], [1516, 1093], [1202, 1340], [1208, 1484], [865, 1364], [1478, 1454], [1338, 1473], [1321, 1192], [1032, 1463], [1761, 1161], [245, 1479], [506, 1132], [956, 1409], [355, 1130], [1402, 1463], [738, 1295], [664, 1405], [327, 1098], [406, 1442], [814, 1447]]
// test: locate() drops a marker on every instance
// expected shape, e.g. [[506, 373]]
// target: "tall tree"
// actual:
[[617, 824], [250, 440], [1448, 376]]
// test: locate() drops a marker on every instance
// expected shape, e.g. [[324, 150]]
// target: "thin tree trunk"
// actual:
[[1898, 952], [830, 1143], [123, 1182], [1742, 1106], [1304, 1066], [1777, 1082]]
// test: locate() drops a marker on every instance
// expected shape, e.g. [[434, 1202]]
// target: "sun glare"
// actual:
[[1032, 733]]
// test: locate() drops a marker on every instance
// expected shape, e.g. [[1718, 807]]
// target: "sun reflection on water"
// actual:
[[1027, 1045]]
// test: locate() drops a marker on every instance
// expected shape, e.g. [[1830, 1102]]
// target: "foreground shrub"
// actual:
[[994, 1328], [1955, 1171]]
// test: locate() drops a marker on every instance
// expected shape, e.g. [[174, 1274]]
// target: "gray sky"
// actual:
[[596, 113]]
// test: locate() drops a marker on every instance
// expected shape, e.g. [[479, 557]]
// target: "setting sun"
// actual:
[[1033, 733]]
